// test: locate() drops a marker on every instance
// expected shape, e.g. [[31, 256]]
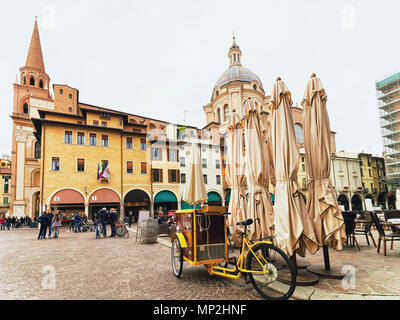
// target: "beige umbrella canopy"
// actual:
[[293, 227], [235, 176], [322, 205], [195, 188], [259, 206]]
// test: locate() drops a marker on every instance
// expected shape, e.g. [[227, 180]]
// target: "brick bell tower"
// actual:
[[31, 93]]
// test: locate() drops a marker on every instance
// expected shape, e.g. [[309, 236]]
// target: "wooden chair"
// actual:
[[382, 235], [366, 223], [393, 214]]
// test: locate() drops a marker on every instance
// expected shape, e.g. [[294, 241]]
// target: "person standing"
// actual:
[[3, 224], [113, 218], [8, 223], [50, 217], [43, 226], [56, 225], [102, 216], [77, 221]]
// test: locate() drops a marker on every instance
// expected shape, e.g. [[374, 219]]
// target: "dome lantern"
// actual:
[[235, 54]]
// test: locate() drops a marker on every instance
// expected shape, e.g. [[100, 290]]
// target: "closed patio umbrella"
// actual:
[[322, 205], [293, 227], [195, 188], [235, 175], [259, 206]]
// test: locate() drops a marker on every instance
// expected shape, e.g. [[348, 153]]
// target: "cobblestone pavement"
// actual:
[[112, 268], [375, 274], [115, 268]]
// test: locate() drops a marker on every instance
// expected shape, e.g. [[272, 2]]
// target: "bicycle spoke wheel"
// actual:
[[267, 259], [176, 258]]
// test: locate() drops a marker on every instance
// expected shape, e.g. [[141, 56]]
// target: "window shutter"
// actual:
[[161, 175], [178, 176], [152, 175], [169, 175]]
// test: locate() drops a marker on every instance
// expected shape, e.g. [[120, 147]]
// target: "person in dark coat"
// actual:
[[43, 226], [8, 223], [102, 217], [77, 221], [130, 218], [113, 218], [50, 217]]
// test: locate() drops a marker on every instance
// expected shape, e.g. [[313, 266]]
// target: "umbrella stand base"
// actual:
[[300, 263], [333, 273], [303, 277]]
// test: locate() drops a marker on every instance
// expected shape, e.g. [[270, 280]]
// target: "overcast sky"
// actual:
[[161, 59]]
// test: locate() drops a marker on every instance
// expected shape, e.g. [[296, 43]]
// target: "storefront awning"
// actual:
[[213, 196], [104, 196], [165, 196], [67, 196]]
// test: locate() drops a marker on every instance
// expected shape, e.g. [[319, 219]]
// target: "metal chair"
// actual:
[[349, 218]]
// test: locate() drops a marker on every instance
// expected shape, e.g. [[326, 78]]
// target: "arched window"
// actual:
[[298, 130], [254, 86], [26, 109], [24, 81], [226, 113], [32, 81], [37, 150], [41, 84], [219, 115]]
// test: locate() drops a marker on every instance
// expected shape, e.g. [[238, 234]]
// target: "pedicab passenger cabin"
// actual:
[[202, 234]]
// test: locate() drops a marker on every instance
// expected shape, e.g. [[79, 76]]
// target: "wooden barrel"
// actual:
[[149, 231]]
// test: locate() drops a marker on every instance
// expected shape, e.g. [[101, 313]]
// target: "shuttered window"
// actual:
[[143, 168], [80, 167], [129, 167]]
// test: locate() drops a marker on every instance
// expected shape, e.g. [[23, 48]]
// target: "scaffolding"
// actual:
[[388, 97]]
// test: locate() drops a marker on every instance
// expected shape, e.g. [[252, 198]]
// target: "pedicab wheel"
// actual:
[[267, 258], [177, 258]]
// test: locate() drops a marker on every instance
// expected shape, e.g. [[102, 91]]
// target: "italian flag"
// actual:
[[99, 170]]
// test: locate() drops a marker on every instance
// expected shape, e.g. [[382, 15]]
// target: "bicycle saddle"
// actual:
[[245, 223]]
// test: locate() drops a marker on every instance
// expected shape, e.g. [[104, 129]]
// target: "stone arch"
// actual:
[[356, 202], [344, 201], [370, 196], [35, 178]]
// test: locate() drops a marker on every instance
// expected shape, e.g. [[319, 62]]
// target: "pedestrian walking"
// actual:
[[13, 222], [71, 223], [43, 226], [56, 225]]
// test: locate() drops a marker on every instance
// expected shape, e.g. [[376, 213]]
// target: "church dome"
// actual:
[[237, 73]]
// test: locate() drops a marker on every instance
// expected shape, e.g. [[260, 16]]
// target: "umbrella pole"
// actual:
[[326, 258], [326, 270]]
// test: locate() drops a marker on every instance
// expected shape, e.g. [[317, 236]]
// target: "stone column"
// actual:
[[87, 210], [121, 211]]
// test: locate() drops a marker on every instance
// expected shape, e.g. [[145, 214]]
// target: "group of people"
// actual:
[[104, 216], [51, 221], [13, 222], [76, 222]]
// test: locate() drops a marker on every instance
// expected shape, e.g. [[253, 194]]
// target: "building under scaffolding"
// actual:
[[388, 95]]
